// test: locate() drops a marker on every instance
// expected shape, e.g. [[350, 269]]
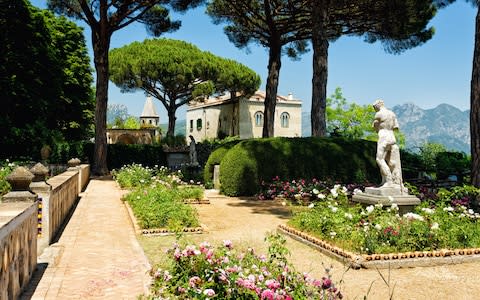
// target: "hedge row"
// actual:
[[247, 164], [119, 155]]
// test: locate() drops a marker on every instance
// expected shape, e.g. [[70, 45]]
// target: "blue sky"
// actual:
[[437, 72]]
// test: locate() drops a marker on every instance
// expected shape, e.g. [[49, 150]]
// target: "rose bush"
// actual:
[[223, 272]]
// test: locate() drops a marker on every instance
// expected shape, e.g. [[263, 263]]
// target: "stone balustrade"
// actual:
[[20, 221], [18, 246]]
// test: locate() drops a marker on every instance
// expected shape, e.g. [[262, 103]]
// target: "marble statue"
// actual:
[[388, 152], [193, 152]]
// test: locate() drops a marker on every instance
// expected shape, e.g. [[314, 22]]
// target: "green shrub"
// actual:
[[5, 169], [451, 163], [250, 162]]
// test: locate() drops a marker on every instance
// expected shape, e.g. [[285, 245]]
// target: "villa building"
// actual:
[[218, 117]]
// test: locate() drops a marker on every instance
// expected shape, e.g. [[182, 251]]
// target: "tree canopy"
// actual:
[[176, 72], [45, 79], [104, 17], [274, 24]]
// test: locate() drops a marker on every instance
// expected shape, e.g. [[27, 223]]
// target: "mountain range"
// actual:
[[444, 124]]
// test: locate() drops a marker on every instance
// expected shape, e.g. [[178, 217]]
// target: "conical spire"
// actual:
[[149, 109]]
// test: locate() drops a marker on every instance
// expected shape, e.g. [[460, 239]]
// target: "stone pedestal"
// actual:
[[388, 196], [216, 177]]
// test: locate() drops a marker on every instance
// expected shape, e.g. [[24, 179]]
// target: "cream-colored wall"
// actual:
[[246, 128], [210, 116], [295, 123], [247, 119]]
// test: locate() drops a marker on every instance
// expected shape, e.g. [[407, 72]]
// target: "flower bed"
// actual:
[[157, 200], [438, 227], [224, 272]]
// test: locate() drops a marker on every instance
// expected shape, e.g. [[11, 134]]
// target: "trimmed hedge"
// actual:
[[119, 155], [250, 162]]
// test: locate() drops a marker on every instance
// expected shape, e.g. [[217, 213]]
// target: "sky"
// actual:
[[436, 72]]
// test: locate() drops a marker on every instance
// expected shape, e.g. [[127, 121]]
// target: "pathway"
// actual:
[[97, 255]]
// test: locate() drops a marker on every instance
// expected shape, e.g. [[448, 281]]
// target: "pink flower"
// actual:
[[194, 281], [227, 244], [209, 292], [272, 284], [267, 294], [326, 283]]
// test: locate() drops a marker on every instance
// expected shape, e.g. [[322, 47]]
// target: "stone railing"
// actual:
[[18, 245]]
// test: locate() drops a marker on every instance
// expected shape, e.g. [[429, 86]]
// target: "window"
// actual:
[[284, 119], [191, 125], [199, 124], [150, 121], [258, 119]]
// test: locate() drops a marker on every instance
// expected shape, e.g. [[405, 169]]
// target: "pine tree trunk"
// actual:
[[171, 122], [101, 45], [320, 70], [475, 106], [274, 64]]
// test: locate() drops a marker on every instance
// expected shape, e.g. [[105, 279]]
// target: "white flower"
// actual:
[[333, 234], [413, 216], [394, 206], [333, 208], [348, 216], [284, 203], [449, 208], [378, 227], [315, 191], [370, 209], [470, 211], [344, 190], [311, 205], [336, 187], [321, 196], [334, 193], [434, 226], [428, 210]]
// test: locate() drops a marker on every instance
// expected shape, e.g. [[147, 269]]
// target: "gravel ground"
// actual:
[[246, 221]]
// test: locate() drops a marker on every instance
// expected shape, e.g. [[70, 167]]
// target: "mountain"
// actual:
[[444, 124]]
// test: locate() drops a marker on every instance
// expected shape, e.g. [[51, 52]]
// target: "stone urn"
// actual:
[[39, 172], [74, 162], [45, 152], [20, 179]]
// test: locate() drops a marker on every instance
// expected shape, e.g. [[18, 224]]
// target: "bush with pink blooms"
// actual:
[[223, 272]]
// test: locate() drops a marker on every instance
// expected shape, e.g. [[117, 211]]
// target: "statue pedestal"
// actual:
[[388, 196]]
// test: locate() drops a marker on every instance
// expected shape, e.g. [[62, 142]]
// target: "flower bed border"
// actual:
[[157, 231], [196, 201], [385, 261]]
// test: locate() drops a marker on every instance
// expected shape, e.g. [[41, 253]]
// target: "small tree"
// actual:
[[176, 72], [349, 120]]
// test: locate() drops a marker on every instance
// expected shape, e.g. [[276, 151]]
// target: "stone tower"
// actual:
[[149, 117]]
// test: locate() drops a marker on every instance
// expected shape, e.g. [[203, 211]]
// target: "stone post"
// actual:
[[74, 165], [43, 190], [20, 180], [216, 177]]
